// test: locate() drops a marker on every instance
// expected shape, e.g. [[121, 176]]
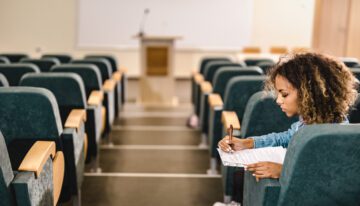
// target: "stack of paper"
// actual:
[[250, 156]]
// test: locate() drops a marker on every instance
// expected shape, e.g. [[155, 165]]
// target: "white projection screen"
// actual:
[[202, 24]]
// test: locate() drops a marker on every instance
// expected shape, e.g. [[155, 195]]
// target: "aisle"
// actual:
[[154, 161]]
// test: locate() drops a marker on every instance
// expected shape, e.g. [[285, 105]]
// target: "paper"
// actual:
[[250, 156]]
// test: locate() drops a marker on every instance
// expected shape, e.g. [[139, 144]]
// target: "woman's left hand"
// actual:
[[265, 170]]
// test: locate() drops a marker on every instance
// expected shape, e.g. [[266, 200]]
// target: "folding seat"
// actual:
[[119, 76], [256, 61], [321, 167], [43, 64], [14, 57], [63, 58], [37, 180], [31, 114], [354, 112], [4, 60], [109, 85], [265, 66], [350, 61], [262, 116], [14, 72], [95, 112], [3, 81], [220, 80]]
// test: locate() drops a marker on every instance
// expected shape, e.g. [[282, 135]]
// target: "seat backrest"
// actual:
[[255, 61], [28, 113], [89, 73], [103, 66], [265, 66], [68, 89], [354, 111], [110, 58], [322, 166], [14, 57], [213, 67], [62, 58], [43, 64], [207, 60], [3, 81], [262, 116], [6, 174], [223, 75], [356, 72], [4, 60], [14, 72], [239, 90], [350, 61]]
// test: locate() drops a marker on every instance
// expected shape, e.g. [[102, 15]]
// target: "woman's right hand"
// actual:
[[236, 144]]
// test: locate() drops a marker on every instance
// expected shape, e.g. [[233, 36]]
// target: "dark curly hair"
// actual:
[[326, 87]]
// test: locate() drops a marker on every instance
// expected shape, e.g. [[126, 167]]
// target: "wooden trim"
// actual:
[[206, 87], [215, 100], [278, 50], [103, 116], [58, 175], [194, 72], [109, 85], [86, 144], [228, 118], [251, 50], [76, 118], [123, 70], [96, 97], [199, 78], [37, 155], [117, 76]]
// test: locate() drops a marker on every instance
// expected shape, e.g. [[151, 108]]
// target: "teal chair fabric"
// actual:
[[350, 62], [256, 61], [102, 64], [320, 168], [265, 66], [112, 60], [3, 81], [23, 188], [43, 64], [354, 112], [29, 114], [62, 58], [14, 57], [14, 72], [4, 60]]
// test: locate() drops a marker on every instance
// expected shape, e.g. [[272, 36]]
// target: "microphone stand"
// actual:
[[142, 24]]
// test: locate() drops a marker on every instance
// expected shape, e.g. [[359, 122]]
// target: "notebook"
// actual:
[[250, 156]]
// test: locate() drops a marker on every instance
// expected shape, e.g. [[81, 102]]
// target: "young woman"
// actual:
[[315, 87]]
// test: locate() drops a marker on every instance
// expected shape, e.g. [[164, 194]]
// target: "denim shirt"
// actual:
[[281, 138]]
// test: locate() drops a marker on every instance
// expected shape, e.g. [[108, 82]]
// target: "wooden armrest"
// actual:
[[75, 118], [194, 72], [215, 100], [117, 76], [229, 117], [58, 174], [96, 98], [123, 70], [199, 78], [37, 155], [109, 85], [206, 87]]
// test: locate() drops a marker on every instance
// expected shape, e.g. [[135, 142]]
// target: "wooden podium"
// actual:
[[157, 82]]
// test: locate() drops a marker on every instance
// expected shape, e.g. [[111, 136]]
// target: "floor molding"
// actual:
[[151, 175], [152, 147], [151, 128]]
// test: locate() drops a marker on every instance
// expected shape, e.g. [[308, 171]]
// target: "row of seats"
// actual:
[[227, 93], [68, 108]]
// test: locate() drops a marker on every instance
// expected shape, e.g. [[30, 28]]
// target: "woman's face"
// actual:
[[286, 96]]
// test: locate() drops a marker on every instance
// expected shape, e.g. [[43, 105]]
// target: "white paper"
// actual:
[[250, 156]]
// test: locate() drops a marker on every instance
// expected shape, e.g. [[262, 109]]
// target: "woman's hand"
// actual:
[[265, 170], [236, 144]]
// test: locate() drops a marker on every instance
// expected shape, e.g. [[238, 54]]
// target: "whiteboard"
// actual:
[[202, 24]]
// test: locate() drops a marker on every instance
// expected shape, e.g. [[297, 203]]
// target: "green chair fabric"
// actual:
[[62, 58], [256, 61], [350, 61], [3, 81], [29, 114], [4, 60], [265, 66], [14, 57], [14, 72], [43, 64], [110, 58], [354, 112], [102, 64]]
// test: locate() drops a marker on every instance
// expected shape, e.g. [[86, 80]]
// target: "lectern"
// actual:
[[157, 82]]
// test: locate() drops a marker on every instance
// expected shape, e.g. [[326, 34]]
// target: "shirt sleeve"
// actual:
[[275, 139]]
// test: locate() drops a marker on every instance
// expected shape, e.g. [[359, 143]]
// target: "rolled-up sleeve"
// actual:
[[276, 139]]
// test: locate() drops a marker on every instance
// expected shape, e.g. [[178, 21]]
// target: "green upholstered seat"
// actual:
[[14, 57], [43, 64], [103, 65], [265, 66], [320, 168], [14, 72], [4, 60], [92, 81], [29, 114], [63, 58], [3, 81], [354, 111], [112, 60], [23, 188], [350, 61], [256, 61]]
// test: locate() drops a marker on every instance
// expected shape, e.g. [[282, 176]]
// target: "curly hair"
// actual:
[[326, 87]]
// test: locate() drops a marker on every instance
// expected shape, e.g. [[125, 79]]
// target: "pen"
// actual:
[[230, 131]]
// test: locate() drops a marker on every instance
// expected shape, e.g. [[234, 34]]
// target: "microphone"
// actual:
[[142, 24]]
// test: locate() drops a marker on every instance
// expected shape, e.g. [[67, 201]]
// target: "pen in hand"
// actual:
[[230, 133]]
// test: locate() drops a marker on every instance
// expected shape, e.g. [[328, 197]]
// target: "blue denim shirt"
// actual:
[[281, 138]]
